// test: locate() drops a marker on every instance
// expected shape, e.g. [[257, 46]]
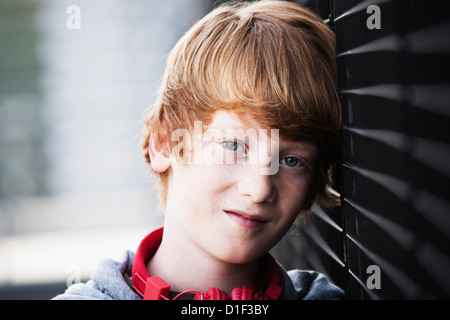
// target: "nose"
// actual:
[[259, 187]]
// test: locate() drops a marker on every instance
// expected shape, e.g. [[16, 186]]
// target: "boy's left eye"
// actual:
[[291, 162]]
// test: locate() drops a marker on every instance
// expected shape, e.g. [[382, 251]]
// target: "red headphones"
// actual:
[[155, 288]]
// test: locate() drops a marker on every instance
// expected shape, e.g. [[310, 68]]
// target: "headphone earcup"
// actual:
[[217, 294], [212, 294], [244, 293]]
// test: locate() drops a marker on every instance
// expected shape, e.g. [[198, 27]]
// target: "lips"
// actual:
[[246, 220]]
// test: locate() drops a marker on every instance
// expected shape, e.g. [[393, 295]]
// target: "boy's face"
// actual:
[[223, 204]]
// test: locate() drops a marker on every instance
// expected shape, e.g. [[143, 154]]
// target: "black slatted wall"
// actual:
[[394, 179]]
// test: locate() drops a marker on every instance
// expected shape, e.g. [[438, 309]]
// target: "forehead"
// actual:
[[224, 120]]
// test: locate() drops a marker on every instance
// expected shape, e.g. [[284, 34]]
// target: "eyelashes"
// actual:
[[234, 145], [292, 162], [239, 147]]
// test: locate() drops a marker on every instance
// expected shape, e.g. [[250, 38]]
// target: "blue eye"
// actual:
[[291, 162], [231, 145]]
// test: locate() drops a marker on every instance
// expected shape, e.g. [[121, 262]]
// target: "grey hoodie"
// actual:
[[111, 280]]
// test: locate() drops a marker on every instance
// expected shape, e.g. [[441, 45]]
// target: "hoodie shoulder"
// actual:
[[309, 285], [109, 281]]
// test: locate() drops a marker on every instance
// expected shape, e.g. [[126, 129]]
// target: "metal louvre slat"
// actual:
[[395, 172]]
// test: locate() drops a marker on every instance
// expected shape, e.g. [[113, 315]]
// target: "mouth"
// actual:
[[246, 220]]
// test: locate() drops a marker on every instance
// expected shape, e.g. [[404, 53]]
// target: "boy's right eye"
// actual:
[[231, 145], [234, 145]]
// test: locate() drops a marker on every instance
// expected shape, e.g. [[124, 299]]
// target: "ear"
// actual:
[[159, 158]]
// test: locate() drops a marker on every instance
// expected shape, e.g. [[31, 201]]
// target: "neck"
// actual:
[[186, 267]]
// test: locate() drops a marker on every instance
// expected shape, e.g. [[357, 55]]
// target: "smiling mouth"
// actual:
[[245, 220]]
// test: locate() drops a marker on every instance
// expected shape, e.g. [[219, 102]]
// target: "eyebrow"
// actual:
[[237, 126], [303, 147]]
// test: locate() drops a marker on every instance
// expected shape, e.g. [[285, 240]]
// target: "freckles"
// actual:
[[228, 170], [225, 176], [293, 193]]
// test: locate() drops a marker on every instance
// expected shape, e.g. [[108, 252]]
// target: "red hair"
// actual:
[[273, 61]]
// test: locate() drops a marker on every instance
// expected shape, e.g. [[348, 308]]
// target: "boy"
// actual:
[[241, 140]]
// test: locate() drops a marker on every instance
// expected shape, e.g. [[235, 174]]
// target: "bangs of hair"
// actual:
[[274, 65], [273, 62]]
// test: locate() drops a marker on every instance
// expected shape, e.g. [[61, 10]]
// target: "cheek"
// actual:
[[202, 182], [293, 196]]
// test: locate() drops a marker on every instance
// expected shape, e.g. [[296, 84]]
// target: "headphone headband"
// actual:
[[155, 288]]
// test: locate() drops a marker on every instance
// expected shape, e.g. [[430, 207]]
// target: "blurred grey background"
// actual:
[[73, 184], [74, 187]]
